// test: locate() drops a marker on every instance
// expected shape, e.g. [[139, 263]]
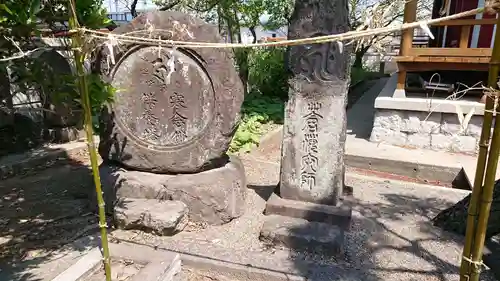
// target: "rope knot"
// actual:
[[492, 7]]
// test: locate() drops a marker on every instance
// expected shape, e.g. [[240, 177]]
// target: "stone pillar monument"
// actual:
[[314, 133], [312, 166]]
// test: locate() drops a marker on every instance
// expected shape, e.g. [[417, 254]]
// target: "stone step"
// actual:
[[303, 235], [336, 215]]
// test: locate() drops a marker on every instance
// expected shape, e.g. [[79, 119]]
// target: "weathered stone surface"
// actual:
[[159, 217], [63, 135], [440, 131], [312, 166], [419, 140], [215, 196], [335, 215], [451, 125], [476, 126], [420, 122], [454, 143], [62, 110], [176, 109], [380, 134], [300, 234], [389, 119], [467, 144]]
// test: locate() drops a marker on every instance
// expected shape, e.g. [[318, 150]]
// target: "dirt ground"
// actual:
[[391, 239], [40, 212]]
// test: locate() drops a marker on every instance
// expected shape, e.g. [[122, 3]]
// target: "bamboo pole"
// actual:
[[481, 160], [79, 56], [486, 199]]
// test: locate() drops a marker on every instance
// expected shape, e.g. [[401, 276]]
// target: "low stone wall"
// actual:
[[436, 131]]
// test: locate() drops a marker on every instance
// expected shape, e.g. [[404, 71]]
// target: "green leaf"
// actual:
[[35, 7], [5, 8]]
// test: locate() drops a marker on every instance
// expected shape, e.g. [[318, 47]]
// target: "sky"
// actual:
[[120, 6]]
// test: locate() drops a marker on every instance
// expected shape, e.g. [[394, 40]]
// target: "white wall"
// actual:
[[246, 35]]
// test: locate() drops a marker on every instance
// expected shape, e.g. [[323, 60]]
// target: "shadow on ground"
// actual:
[[382, 245], [44, 207]]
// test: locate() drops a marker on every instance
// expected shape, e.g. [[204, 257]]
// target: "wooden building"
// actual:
[[414, 111], [463, 44]]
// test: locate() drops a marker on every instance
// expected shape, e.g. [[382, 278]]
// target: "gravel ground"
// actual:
[[391, 237]]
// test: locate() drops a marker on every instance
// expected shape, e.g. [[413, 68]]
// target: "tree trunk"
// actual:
[[358, 59], [454, 219], [133, 8], [254, 34]]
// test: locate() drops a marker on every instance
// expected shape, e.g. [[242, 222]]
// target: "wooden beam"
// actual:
[[464, 36], [433, 66], [449, 52], [470, 22], [409, 59], [410, 15]]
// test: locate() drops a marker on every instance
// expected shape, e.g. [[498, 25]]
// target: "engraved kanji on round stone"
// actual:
[[176, 109]]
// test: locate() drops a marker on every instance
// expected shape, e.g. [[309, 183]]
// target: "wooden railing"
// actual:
[[463, 49]]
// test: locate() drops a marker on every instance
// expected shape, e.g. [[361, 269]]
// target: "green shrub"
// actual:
[[267, 73]]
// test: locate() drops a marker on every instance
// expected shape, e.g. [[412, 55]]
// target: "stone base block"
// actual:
[[441, 131], [63, 135], [152, 215], [335, 215], [157, 265], [301, 234], [215, 196]]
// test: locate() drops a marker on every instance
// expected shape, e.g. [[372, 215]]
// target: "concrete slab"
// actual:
[[159, 265], [335, 215], [235, 271], [301, 234], [82, 267]]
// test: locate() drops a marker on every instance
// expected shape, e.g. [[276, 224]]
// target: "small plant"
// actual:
[[100, 93], [264, 105], [258, 113]]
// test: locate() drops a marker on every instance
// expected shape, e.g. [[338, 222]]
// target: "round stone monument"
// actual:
[[62, 111], [176, 109]]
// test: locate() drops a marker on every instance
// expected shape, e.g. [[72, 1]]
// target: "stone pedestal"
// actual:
[[314, 134], [169, 127], [63, 117], [215, 197]]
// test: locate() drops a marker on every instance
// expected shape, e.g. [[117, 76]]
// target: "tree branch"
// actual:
[[210, 7], [170, 6]]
